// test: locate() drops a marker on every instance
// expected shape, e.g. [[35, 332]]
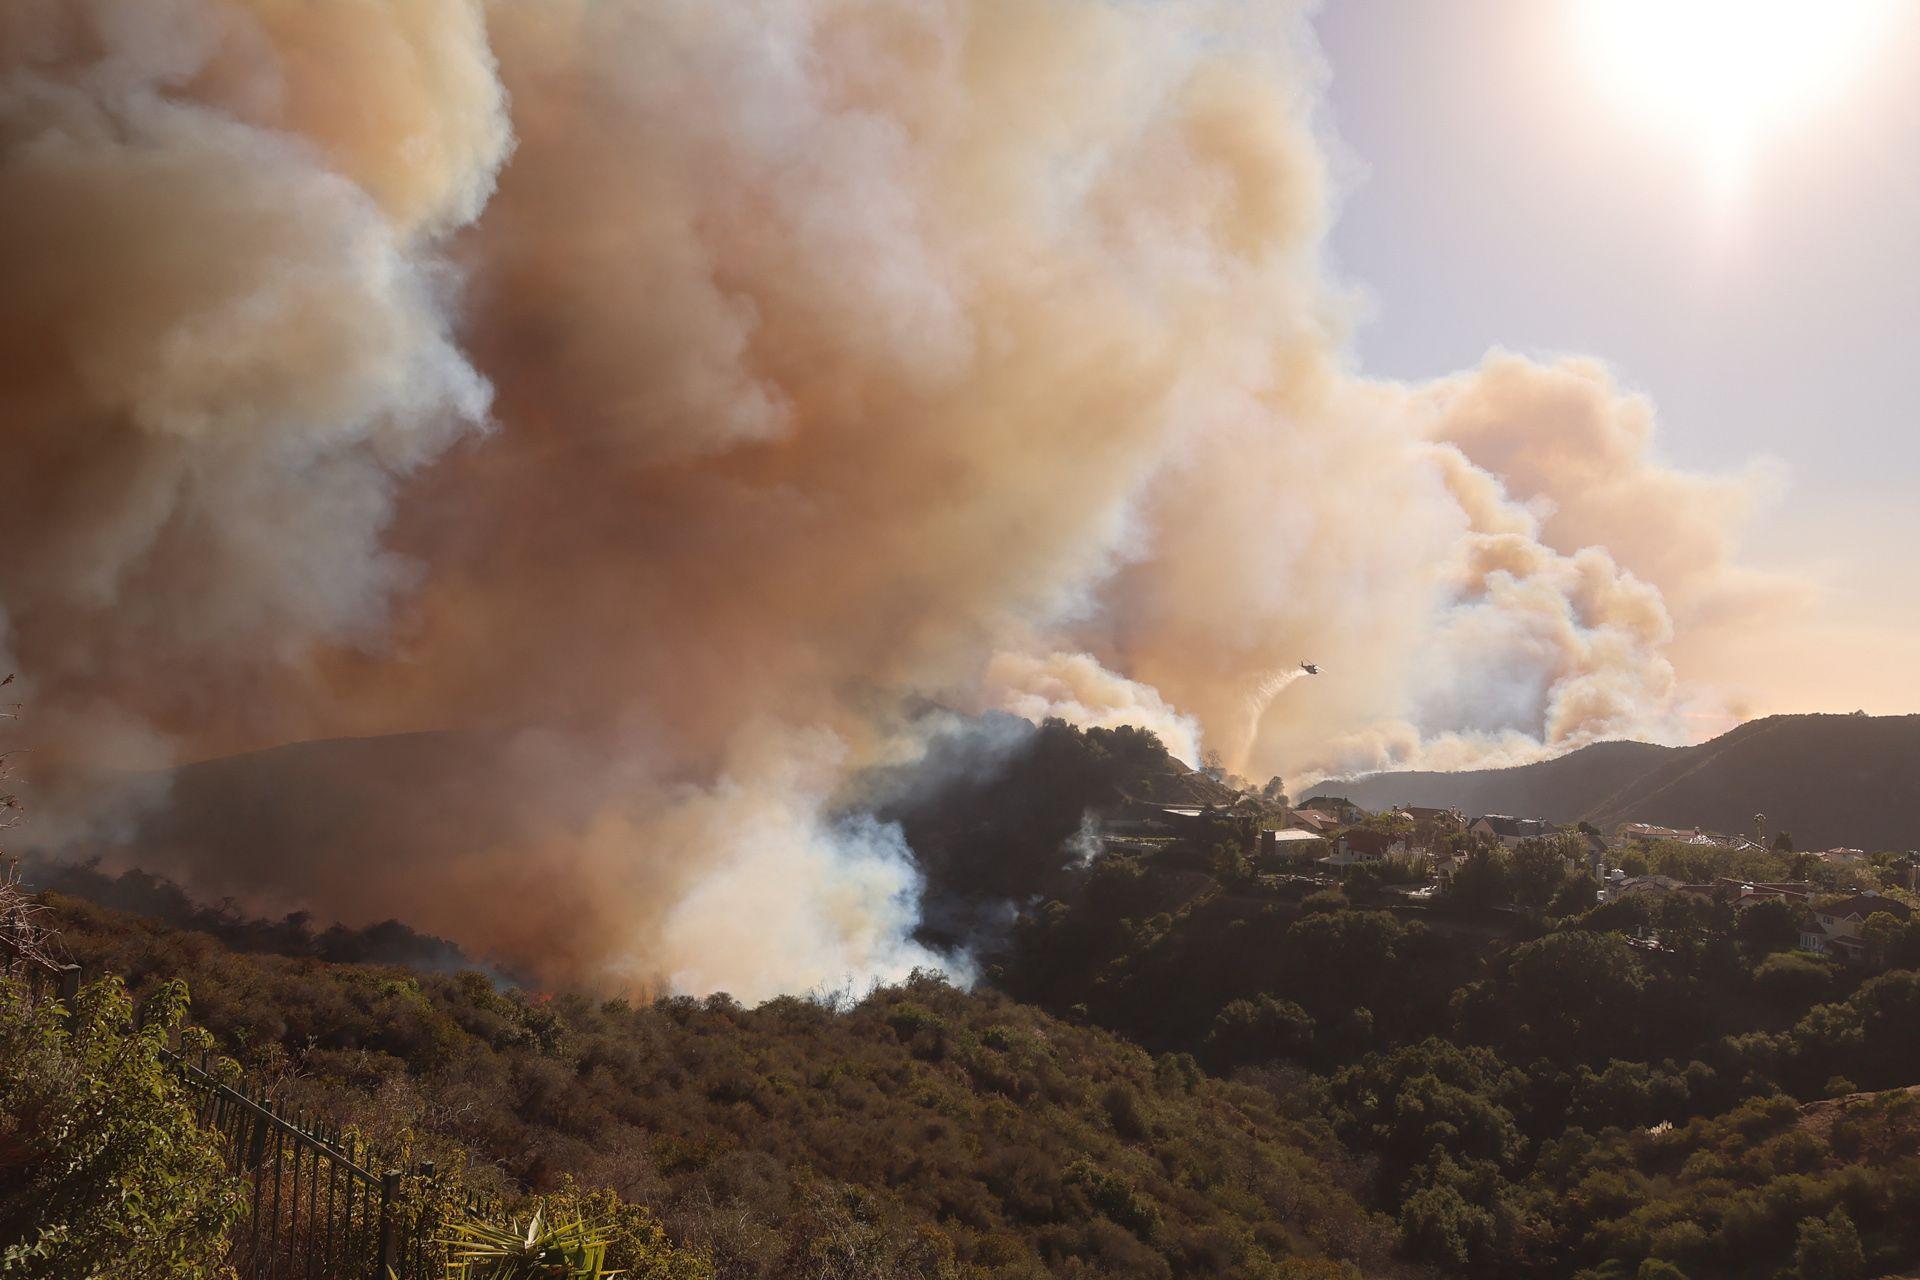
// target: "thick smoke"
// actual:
[[1074, 687], [224, 341], [679, 393]]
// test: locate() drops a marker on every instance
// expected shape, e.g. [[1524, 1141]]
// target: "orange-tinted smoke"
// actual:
[[670, 393]]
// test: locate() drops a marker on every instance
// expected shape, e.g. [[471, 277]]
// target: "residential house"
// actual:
[[1628, 832], [1666, 885], [1313, 820], [1338, 807], [1362, 846], [1648, 832], [1292, 844], [1511, 831], [1624, 884], [1430, 827], [1439, 817], [1795, 893], [1836, 929]]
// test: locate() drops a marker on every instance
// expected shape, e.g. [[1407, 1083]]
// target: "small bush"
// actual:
[[103, 1172]]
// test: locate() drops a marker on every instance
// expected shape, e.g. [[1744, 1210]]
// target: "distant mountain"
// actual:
[[1563, 789], [1827, 779]]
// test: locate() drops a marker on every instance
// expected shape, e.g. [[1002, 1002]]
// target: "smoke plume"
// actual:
[[674, 395]]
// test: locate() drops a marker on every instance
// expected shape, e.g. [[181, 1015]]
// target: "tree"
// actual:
[[1439, 1225], [1434, 1094], [1792, 980], [1574, 896], [1872, 1037], [1537, 869], [1258, 1030], [1212, 765], [1337, 961], [1227, 864], [1829, 1248], [1483, 880], [1362, 880], [1580, 993], [103, 1172], [1883, 934], [1770, 926]]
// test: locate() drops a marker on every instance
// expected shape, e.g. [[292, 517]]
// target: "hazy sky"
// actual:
[[1515, 180]]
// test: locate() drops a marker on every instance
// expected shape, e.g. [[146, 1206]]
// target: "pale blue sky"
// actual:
[[1502, 193]]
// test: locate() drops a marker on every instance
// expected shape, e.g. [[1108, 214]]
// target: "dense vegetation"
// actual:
[[945, 1129], [1534, 1078], [142, 893], [1184, 1061]]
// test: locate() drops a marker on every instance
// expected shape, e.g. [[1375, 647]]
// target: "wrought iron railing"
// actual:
[[322, 1203]]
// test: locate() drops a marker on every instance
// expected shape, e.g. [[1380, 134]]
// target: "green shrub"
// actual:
[[539, 1249], [103, 1172], [1828, 1248]]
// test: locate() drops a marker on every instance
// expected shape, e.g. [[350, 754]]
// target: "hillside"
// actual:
[[1562, 789], [347, 828], [334, 826], [1828, 779], [927, 1131], [1175, 1067]]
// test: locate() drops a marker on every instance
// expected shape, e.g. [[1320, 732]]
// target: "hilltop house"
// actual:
[[1431, 827], [1648, 832], [1339, 808], [1313, 820], [1795, 893], [1511, 831], [1628, 832], [1837, 928], [1449, 818], [1292, 844], [1626, 884], [1364, 847]]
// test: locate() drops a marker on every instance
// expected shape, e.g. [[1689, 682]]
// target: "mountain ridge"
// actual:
[[1827, 779]]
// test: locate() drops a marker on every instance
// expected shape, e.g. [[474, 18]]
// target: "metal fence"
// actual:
[[322, 1204], [317, 1208]]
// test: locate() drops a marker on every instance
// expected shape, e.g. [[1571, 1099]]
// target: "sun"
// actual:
[[1722, 76]]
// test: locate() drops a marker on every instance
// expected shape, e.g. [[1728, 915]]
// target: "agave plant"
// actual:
[[571, 1250]]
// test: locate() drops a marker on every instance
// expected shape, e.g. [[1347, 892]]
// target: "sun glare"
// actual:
[[1722, 76]]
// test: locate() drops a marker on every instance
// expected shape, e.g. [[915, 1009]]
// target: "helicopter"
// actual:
[[1310, 668]]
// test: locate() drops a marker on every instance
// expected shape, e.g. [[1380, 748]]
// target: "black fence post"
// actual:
[[389, 1193], [257, 1149]]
